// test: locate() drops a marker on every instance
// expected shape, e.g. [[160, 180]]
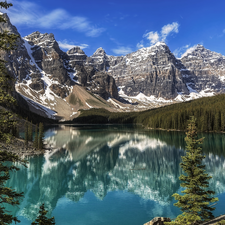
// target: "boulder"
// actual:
[[158, 221]]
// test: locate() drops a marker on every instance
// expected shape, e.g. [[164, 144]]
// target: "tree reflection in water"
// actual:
[[107, 159]]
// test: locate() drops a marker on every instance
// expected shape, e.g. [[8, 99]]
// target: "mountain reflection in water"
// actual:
[[107, 159]]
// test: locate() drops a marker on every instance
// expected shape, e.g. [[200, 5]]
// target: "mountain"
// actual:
[[54, 83], [151, 71], [57, 84], [155, 72], [206, 70]]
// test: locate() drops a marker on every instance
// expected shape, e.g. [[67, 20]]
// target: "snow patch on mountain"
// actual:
[[115, 104], [48, 112], [48, 82], [141, 97]]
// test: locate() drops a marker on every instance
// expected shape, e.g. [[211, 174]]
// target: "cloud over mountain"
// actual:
[[122, 50], [68, 45], [155, 36]]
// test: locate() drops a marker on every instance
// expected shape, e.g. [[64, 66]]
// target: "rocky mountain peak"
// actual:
[[99, 52], [199, 51], [100, 60], [153, 71], [76, 56], [42, 40], [159, 45], [206, 68], [8, 26], [100, 56], [75, 51]]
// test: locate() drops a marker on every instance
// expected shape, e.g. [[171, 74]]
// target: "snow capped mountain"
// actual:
[[61, 83], [55, 83], [207, 69], [155, 74], [153, 71]]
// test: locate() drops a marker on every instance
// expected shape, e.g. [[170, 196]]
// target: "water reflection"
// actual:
[[107, 159]]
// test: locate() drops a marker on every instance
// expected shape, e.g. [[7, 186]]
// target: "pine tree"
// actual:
[[7, 42], [26, 133], [35, 144], [42, 219], [196, 199], [30, 132], [223, 121], [17, 134], [217, 121], [7, 195], [40, 136]]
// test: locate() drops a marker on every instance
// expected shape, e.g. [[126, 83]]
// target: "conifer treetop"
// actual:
[[196, 199]]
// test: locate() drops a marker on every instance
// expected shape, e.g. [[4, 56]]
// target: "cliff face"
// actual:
[[152, 71], [206, 69], [46, 75], [48, 56], [92, 75], [100, 60], [155, 71]]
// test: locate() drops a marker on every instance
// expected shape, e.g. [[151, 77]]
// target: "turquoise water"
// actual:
[[112, 175]]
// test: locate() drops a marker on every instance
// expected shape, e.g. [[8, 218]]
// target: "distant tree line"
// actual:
[[209, 112], [38, 136]]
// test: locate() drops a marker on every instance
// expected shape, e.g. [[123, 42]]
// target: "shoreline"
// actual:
[[17, 146], [169, 130]]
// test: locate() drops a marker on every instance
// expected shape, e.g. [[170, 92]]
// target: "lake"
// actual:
[[114, 175]]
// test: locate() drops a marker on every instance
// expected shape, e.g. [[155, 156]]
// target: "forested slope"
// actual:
[[209, 111], [210, 114]]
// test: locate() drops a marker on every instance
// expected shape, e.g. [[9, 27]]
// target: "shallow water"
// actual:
[[111, 175]]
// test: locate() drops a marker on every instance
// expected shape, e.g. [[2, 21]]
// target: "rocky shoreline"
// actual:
[[18, 147], [161, 220]]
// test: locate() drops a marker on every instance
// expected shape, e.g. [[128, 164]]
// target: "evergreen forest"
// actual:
[[209, 112]]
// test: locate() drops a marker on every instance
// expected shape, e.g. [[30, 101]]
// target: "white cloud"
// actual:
[[153, 37], [94, 32], [76, 22], [52, 19], [68, 45], [21, 12], [189, 50], [140, 44], [223, 30], [169, 28], [179, 51], [122, 50], [115, 41], [83, 25], [30, 14]]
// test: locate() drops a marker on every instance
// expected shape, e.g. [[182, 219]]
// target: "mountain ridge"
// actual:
[[147, 78]]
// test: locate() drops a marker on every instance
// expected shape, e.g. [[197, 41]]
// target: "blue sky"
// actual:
[[123, 26]]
